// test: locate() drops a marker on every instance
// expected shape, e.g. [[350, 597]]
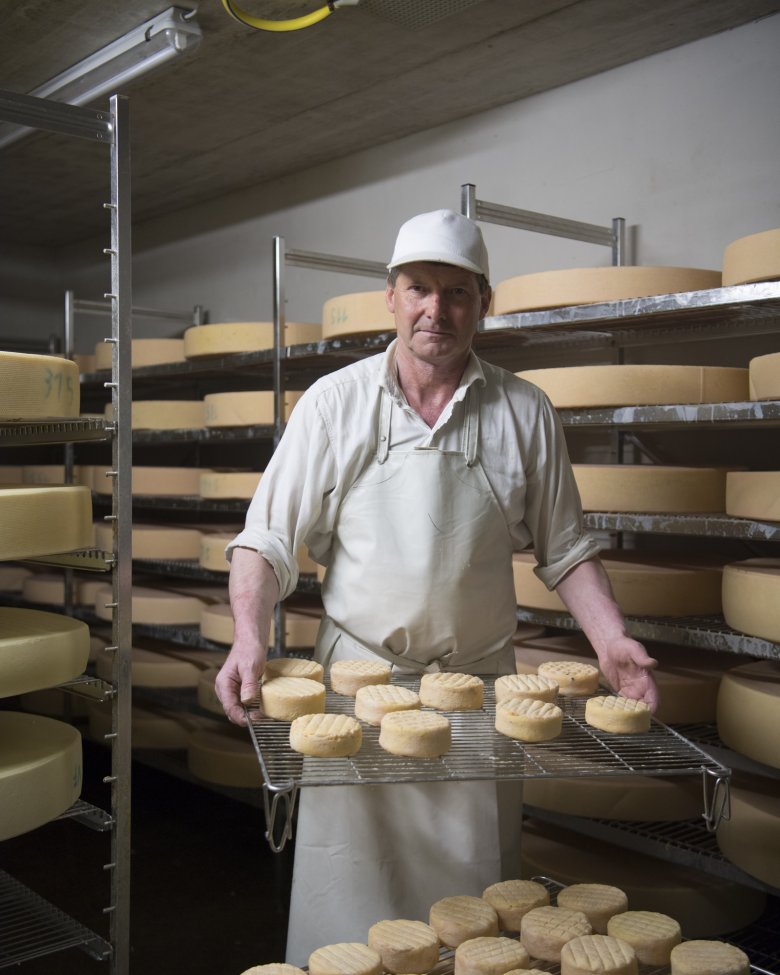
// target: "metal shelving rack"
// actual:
[[30, 926]]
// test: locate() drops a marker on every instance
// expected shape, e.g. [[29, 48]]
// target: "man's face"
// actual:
[[436, 308]]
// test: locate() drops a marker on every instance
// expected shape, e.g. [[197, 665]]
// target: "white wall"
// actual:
[[683, 144]]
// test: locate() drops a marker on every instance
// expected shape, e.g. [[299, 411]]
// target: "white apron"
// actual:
[[421, 576]]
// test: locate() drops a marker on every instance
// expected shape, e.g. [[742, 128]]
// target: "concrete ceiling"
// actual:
[[248, 106]]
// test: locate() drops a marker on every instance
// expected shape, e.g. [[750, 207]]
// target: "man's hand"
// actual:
[[628, 668], [238, 682]]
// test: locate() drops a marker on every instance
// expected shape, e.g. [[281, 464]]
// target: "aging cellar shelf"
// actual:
[[79, 429], [705, 525], [761, 414]]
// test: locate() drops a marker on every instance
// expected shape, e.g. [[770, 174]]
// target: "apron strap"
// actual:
[[383, 433], [471, 426]]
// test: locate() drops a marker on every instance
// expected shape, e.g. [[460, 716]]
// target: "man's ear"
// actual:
[[485, 300], [390, 297]]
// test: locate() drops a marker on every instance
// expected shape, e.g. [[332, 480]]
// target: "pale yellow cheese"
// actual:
[[294, 667], [588, 285], [85, 361], [751, 597], [40, 771], [458, 918], [228, 484], [227, 338], [253, 408], [647, 487], [639, 385], [44, 519], [374, 701], [526, 685], [346, 676], [598, 902], [752, 258], [275, 968], [651, 934], [709, 958], [525, 719], [154, 541], [753, 494], [300, 630], [748, 711], [764, 376], [49, 474], [452, 692], [346, 958], [165, 414], [326, 735], [598, 953], [212, 552], [12, 474], [143, 352], [286, 698], [152, 606], [750, 838], [415, 734], [356, 314], [489, 956], [158, 482], [151, 669], [512, 899], [216, 623], [39, 649], [47, 588], [572, 678], [151, 728], [617, 715], [207, 695], [641, 587], [404, 946], [225, 758], [33, 387], [86, 589], [545, 930], [12, 577]]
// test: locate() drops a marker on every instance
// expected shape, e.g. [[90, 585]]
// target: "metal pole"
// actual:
[[279, 321], [468, 200], [618, 241]]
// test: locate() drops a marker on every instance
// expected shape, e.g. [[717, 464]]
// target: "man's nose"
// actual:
[[435, 305]]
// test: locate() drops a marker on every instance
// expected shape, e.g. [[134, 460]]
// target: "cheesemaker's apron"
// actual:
[[420, 575]]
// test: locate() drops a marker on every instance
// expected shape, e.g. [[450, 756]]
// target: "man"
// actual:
[[413, 476]]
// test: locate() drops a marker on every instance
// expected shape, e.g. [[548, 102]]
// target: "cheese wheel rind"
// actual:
[[750, 838], [529, 720], [545, 930], [700, 957], [598, 953], [39, 649], [764, 376], [598, 902], [44, 519], [751, 597], [452, 691], [489, 956], [326, 735], [648, 487], [651, 934], [356, 314], [755, 257], [346, 676], [617, 715], [753, 494], [461, 917], [228, 338], [415, 734], [748, 711], [347, 958], [286, 698], [143, 352], [405, 946], [374, 701], [35, 387], [511, 899]]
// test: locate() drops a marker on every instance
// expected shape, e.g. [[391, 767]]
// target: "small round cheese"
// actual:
[[535, 686], [293, 667], [415, 734], [597, 953], [573, 679], [598, 902], [528, 720], [285, 698], [326, 735], [405, 946], [650, 934], [764, 376], [618, 715], [346, 676], [452, 692], [512, 899], [489, 956], [347, 958], [374, 701], [462, 917], [709, 958], [275, 968], [545, 930]]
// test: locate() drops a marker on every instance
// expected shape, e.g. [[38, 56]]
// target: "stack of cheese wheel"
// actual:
[[703, 904], [246, 409], [40, 771], [39, 649], [751, 597], [228, 338], [753, 494], [228, 484], [356, 314], [647, 487], [164, 414], [642, 587], [224, 757], [748, 714], [37, 387], [590, 285], [158, 482], [750, 837], [764, 377], [143, 352], [170, 542], [752, 258], [44, 519], [571, 387]]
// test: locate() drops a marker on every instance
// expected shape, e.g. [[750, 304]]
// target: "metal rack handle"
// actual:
[[271, 801]]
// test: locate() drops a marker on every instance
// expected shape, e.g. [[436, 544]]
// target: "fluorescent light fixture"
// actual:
[[166, 36]]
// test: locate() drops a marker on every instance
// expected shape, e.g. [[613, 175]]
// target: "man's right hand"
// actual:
[[238, 682]]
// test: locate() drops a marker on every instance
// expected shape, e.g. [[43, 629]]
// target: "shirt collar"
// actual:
[[388, 374]]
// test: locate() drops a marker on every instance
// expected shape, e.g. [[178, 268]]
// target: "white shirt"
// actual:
[[331, 436]]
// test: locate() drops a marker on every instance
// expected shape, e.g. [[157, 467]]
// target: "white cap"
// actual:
[[444, 236]]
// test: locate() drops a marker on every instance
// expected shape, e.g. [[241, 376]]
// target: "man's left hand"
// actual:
[[628, 669]]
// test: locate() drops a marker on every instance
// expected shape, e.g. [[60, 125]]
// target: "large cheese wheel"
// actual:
[[154, 729], [764, 376], [634, 385], [751, 597], [748, 713], [151, 669], [753, 494], [158, 482], [646, 487], [85, 361], [150, 606], [239, 485], [143, 352], [154, 541], [226, 338], [12, 577], [356, 314], [750, 838], [49, 474], [39, 649], [12, 474], [752, 258], [246, 408], [40, 771], [164, 414], [587, 285], [706, 905], [44, 519], [212, 551], [33, 387], [225, 758], [641, 587], [207, 693], [45, 587]]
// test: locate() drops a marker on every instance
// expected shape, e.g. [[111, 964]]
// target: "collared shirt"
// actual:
[[331, 437]]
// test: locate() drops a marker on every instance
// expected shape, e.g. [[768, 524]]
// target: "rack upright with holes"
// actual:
[[32, 927]]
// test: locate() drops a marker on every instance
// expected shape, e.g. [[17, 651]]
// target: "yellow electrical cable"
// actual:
[[276, 25]]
